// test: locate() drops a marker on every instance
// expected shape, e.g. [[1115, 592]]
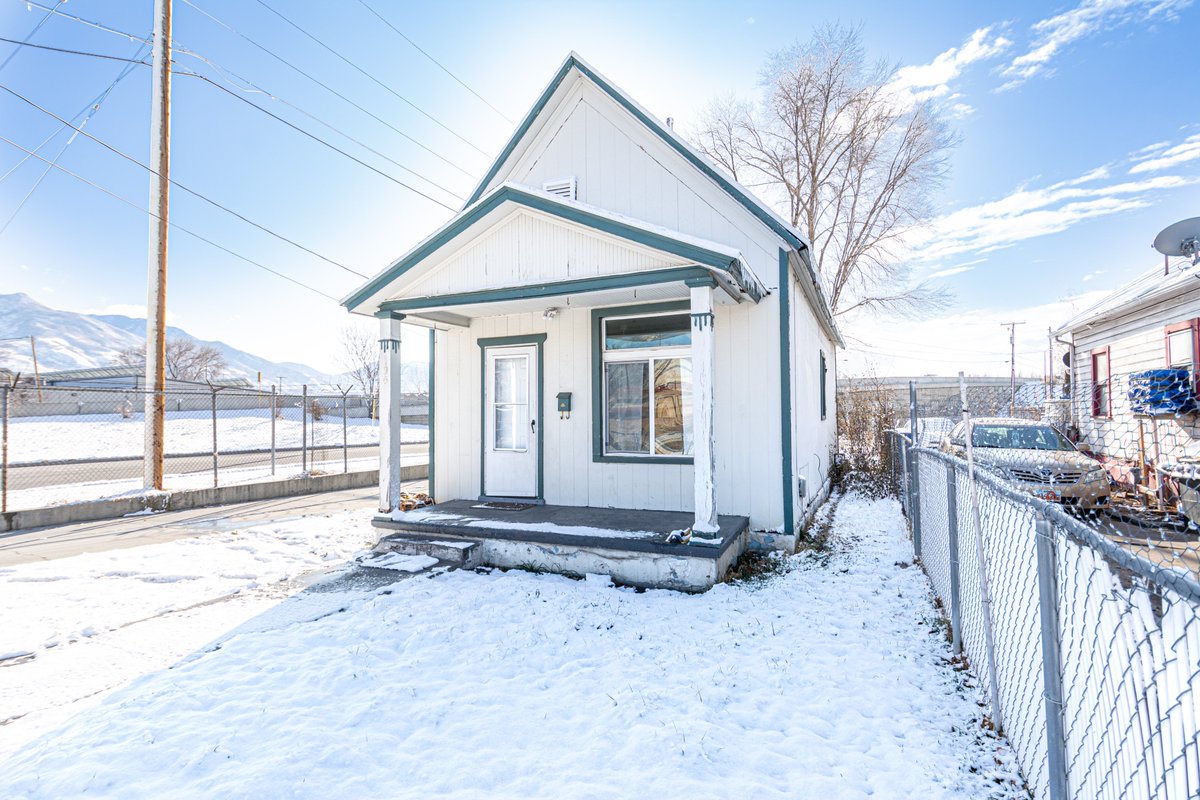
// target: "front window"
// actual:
[[647, 385], [1019, 437]]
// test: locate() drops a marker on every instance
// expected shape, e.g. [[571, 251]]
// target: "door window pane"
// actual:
[[673, 406], [628, 411], [668, 330], [512, 381], [511, 431]]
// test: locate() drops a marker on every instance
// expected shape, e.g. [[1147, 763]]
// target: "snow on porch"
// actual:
[[829, 680]]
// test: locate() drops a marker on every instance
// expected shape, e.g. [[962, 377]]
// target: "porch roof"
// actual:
[[702, 257]]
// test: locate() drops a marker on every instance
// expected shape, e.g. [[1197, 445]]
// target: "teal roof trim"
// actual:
[[683, 248], [735, 190]]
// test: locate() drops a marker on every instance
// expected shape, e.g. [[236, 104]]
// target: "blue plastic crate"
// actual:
[[1162, 391]]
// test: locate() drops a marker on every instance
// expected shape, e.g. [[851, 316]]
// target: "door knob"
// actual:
[[533, 425]]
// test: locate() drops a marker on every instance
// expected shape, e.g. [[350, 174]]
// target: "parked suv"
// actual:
[[1037, 457]]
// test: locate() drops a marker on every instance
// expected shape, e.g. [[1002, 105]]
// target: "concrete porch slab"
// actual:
[[627, 544]]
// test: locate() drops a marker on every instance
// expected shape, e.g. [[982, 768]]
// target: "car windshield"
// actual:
[[1019, 437]]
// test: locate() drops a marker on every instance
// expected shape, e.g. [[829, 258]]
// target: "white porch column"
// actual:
[[704, 452], [389, 411]]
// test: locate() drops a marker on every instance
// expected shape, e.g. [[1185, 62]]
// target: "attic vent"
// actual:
[[563, 187]]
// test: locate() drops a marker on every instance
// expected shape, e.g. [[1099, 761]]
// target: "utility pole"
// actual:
[[156, 300], [1012, 360], [37, 375], [1049, 363]]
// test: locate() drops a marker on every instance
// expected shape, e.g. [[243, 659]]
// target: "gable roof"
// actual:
[[574, 63], [1147, 288], [717, 257]]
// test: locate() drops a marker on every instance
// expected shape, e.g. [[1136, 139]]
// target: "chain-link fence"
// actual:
[[69, 444], [1069, 574]]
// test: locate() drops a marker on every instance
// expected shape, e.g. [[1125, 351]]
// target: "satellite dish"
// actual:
[[1180, 239]]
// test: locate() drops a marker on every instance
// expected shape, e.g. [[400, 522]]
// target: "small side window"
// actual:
[[1101, 383]]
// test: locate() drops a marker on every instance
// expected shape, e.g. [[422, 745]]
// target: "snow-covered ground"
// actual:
[[111, 436], [830, 680]]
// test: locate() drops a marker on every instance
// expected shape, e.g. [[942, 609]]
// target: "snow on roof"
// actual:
[[1146, 288]]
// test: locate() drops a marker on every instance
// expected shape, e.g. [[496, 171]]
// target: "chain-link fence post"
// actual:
[[985, 592], [345, 443], [213, 390], [914, 484], [952, 541], [4, 450], [274, 413], [304, 428], [1047, 572]]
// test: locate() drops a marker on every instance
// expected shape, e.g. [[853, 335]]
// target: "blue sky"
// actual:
[[1079, 141]]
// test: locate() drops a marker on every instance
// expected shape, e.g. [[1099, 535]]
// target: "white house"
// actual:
[[1152, 323], [615, 323]]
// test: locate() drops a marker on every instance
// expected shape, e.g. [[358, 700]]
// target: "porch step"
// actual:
[[455, 552]]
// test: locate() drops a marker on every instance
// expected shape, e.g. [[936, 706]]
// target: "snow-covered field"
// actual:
[[830, 680], [110, 436], [327, 462]]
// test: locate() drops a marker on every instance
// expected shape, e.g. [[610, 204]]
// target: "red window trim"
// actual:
[[1096, 410], [1194, 326]]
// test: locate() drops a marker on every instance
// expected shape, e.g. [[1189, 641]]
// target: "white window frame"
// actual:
[[637, 355]]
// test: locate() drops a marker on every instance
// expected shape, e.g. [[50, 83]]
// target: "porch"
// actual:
[[630, 545]]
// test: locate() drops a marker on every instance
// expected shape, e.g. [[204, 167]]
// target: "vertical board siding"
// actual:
[[529, 248], [746, 425]]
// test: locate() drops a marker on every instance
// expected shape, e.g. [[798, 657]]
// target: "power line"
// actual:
[[268, 51], [89, 111], [174, 182], [29, 36], [175, 225], [316, 138], [441, 66], [327, 87], [420, 110], [73, 52], [255, 88], [273, 96], [88, 22]]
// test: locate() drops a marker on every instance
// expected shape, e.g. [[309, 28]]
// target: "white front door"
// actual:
[[510, 422]]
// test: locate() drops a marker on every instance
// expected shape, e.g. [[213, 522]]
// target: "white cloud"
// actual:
[[1092, 275], [1027, 213], [956, 269], [1055, 33], [749, 20], [1163, 155], [920, 82]]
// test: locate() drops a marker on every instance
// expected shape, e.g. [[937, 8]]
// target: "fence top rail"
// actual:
[[1179, 582]]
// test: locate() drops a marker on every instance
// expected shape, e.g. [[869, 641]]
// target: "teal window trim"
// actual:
[[555, 289], [682, 248], [538, 339], [785, 388], [432, 385], [824, 388], [598, 316]]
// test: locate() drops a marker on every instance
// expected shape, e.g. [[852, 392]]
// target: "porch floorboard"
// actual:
[[620, 529]]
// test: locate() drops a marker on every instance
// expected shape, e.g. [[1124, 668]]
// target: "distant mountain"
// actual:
[[68, 340]]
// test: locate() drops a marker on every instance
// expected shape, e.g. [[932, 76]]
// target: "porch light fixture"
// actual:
[[550, 313]]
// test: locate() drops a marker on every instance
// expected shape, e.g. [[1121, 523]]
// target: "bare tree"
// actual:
[[855, 160], [360, 357], [186, 360]]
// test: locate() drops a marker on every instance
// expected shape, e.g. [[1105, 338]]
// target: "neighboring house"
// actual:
[[127, 376], [1152, 323], [615, 323]]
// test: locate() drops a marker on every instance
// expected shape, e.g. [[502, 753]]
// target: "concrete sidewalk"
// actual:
[[45, 544]]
